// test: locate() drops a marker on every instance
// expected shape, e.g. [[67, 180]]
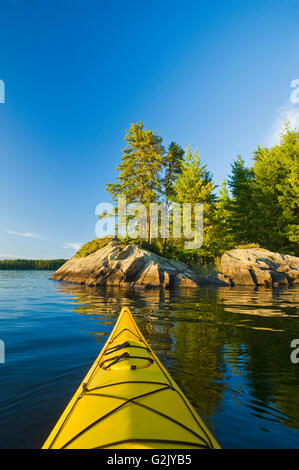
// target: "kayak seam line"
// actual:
[[162, 441], [153, 410], [196, 420], [186, 404], [128, 382], [108, 385], [95, 367], [171, 385], [116, 359], [108, 414], [166, 386], [122, 346], [126, 329]]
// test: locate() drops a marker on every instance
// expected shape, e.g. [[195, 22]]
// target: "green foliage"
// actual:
[[247, 246], [265, 199], [276, 193], [224, 238], [92, 246], [140, 166], [139, 171], [241, 207], [30, 264], [194, 184], [173, 162], [256, 206]]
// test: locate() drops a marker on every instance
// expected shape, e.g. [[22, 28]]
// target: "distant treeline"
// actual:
[[51, 264]]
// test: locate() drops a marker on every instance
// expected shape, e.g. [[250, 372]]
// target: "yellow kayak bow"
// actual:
[[128, 400]]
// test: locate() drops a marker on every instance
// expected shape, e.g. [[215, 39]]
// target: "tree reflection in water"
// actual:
[[228, 349]]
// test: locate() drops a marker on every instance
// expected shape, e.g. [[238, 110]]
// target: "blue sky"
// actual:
[[77, 73]]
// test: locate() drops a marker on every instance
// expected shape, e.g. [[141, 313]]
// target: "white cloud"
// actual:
[[25, 234], [72, 245], [284, 114], [287, 114], [8, 256]]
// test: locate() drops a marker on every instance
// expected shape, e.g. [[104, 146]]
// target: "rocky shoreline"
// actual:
[[122, 265], [257, 266]]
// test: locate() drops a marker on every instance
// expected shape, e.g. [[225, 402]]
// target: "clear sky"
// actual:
[[215, 75]]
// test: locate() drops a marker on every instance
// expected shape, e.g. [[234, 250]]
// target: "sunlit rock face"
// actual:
[[118, 264], [123, 265], [256, 266]]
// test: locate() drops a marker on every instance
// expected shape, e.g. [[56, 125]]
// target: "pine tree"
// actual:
[[289, 202], [140, 166], [173, 168], [276, 193], [195, 185], [264, 208], [139, 171], [173, 161], [224, 234], [241, 209]]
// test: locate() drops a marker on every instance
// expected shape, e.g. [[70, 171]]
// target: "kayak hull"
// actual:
[[128, 400]]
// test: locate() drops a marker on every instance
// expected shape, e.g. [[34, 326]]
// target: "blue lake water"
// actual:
[[227, 348]]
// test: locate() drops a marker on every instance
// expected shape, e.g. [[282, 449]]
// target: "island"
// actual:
[[125, 265]]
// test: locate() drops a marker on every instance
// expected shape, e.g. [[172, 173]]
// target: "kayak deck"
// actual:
[[129, 401]]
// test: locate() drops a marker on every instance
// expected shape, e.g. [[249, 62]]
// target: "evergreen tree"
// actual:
[[173, 168], [173, 161], [139, 171], [241, 209], [289, 202], [195, 185], [140, 166], [276, 194], [224, 234], [262, 206]]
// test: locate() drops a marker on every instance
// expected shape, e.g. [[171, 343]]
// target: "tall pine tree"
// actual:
[[241, 206], [139, 171], [276, 194], [173, 161], [195, 185], [223, 232], [140, 165]]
